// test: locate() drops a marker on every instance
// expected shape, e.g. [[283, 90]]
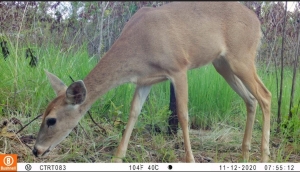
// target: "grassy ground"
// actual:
[[217, 115]]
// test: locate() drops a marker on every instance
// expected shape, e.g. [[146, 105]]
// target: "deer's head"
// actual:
[[61, 116]]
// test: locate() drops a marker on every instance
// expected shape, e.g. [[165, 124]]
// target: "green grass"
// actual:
[[217, 113]]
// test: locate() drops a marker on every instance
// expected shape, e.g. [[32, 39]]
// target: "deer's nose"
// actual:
[[35, 152]]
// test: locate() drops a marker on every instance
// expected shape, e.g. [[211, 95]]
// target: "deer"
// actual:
[[160, 44]]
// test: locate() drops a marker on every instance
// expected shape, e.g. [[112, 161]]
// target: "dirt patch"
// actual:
[[221, 144]]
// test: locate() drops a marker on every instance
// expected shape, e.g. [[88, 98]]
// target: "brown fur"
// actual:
[[58, 100], [164, 43]]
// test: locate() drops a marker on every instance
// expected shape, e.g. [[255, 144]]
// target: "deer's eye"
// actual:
[[51, 121]]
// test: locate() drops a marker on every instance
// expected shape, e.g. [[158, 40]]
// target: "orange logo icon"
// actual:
[[8, 162]]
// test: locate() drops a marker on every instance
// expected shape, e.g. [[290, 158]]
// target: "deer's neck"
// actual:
[[109, 73]]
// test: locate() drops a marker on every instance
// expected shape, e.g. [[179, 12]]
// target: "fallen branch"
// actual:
[[29, 123]]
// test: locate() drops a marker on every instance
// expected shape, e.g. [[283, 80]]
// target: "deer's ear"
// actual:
[[76, 93], [58, 86]]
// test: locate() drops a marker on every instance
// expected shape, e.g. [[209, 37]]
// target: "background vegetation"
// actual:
[[68, 39]]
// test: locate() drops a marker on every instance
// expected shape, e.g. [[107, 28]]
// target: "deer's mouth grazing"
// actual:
[[37, 152], [46, 152]]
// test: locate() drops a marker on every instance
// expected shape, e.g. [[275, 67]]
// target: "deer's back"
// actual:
[[192, 34]]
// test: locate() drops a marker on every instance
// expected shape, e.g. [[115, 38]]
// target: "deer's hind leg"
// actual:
[[224, 70], [244, 69]]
